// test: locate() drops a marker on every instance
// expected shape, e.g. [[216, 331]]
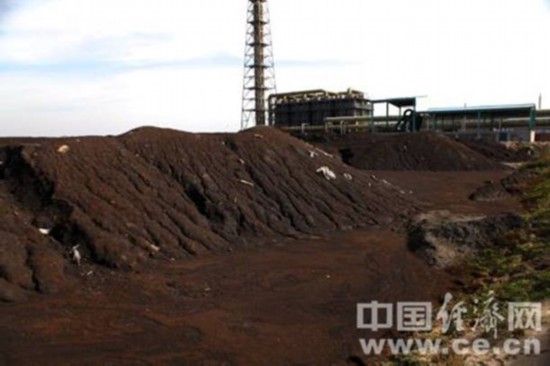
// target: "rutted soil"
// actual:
[[290, 303], [171, 195], [283, 284]]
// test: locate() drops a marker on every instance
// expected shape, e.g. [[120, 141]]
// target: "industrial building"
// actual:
[[313, 107], [321, 110], [506, 122], [342, 112]]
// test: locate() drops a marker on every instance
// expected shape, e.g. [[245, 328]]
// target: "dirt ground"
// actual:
[[289, 302], [450, 190], [426, 151], [293, 304], [163, 194]]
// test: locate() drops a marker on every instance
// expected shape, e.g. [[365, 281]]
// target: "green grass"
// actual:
[[517, 268]]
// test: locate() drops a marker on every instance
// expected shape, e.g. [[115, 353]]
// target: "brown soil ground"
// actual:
[[292, 304], [164, 194], [500, 152], [284, 298], [426, 151]]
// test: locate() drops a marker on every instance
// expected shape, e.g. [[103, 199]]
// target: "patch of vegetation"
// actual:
[[518, 267], [515, 269]]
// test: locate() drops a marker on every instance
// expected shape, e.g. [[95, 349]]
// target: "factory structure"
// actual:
[[351, 110], [313, 107]]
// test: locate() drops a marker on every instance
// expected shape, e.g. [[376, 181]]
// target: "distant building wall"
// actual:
[[313, 107]]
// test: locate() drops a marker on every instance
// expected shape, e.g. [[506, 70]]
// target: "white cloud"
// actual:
[[160, 30], [177, 98], [473, 51]]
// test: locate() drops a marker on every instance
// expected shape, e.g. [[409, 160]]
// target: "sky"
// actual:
[[80, 67]]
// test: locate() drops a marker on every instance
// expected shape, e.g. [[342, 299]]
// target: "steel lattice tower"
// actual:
[[259, 66]]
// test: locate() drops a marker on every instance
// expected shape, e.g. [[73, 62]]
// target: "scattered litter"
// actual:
[[89, 273], [325, 153], [63, 149], [328, 276], [44, 231], [313, 154], [386, 182], [242, 161], [247, 183], [348, 176], [258, 136], [325, 170], [153, 248], [373, 177], [75, 255]]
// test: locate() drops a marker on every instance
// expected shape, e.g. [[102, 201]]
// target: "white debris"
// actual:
[[373, 177], [258, 136], [325, 153], [153, 248], [247, 183], [313, 154], [75, 255], [44, 231], [386, 182], [325, 170], [348, 176], [242, 161], [63, 149]]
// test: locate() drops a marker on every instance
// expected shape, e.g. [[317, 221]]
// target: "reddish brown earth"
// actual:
[[426, 151], [501, 152], [262, 296], [292, 304], [170, 195]]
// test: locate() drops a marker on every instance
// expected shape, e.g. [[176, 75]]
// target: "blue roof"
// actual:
[[485, 108]]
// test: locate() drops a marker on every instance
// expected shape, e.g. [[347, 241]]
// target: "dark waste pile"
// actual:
[[155, 194], [425, 151], [513, 153]]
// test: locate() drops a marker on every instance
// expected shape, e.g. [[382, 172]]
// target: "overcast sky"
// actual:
[[71, 67]]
